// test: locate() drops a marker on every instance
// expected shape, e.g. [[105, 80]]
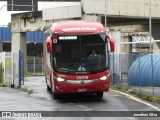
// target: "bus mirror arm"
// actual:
[[111, 42], [49, 45]]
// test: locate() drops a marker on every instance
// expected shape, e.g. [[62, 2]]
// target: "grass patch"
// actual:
[[26, 90], [30, 91], [28, 75], [144, 96], [2, 85], [32, 75], [119, 88]]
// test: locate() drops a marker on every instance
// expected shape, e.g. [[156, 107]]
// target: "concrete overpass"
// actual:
[[56, 0], [125, 16], [61, 0]]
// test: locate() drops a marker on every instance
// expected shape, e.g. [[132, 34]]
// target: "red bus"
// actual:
[[76, 58]]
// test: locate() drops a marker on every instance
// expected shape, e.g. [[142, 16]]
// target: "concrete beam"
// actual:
[[128, 8], [62, 13], [29, 21], [129, 28]]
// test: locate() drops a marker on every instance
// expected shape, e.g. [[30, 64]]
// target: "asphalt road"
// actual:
[[41, 100]]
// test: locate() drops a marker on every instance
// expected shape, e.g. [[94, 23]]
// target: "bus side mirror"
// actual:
[[111, 42], [49, 45]]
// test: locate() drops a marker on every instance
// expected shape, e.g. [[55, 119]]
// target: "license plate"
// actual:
[[82, 89]]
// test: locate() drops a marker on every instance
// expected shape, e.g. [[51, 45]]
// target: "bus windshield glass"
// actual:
[[80, 54]]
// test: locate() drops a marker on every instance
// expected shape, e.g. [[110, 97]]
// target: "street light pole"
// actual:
[[105, 20], [150, 27], [150, 31], [12, 5]]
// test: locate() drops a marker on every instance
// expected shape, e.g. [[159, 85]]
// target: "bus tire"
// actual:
[[48, 88], [99, 94], [55, 96]]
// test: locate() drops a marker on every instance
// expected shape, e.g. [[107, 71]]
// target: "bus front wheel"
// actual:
[[48, 88], [99, 94], [55, 96]]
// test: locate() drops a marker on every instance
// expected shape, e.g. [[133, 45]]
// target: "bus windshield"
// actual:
[[80, 54]]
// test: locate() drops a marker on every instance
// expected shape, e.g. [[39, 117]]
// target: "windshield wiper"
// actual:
[[62, 70], [99, 70]]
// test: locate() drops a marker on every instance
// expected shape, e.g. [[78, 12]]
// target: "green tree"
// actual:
[[9, 24], [144, 51]]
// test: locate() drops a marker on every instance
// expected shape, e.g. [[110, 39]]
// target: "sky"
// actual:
[[5, 16]]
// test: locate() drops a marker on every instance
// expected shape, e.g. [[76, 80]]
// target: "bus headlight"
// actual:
[[103, 78], [60, 79]]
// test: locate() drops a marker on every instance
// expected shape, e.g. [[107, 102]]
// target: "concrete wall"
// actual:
[[156, 47], [92, 18], [126, 32], [128, 8], [129, 28]]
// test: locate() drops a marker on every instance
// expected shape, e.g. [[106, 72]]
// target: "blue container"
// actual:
[[140, 72], [35, 36], [5, 34]]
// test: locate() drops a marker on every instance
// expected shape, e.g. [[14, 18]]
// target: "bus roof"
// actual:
[[77, 27]]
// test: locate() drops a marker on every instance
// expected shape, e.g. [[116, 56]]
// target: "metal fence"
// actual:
[[11, 68], [35, 65], [136, 71], [6, 63]]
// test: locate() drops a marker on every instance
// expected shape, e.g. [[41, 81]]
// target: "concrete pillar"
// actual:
[[19, 43]]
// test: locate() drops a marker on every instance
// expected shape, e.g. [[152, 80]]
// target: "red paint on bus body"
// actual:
[[77, 27], [96, 86]]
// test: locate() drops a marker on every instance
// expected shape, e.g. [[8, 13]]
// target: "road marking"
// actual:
[[115, 95], [136, 99], [82, 106]]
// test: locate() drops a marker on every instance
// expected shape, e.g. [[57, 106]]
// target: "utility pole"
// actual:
[[150, 28], [105, 20], [150, 31]]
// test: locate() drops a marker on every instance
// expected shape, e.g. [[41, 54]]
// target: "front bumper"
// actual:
[[74, 86]]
